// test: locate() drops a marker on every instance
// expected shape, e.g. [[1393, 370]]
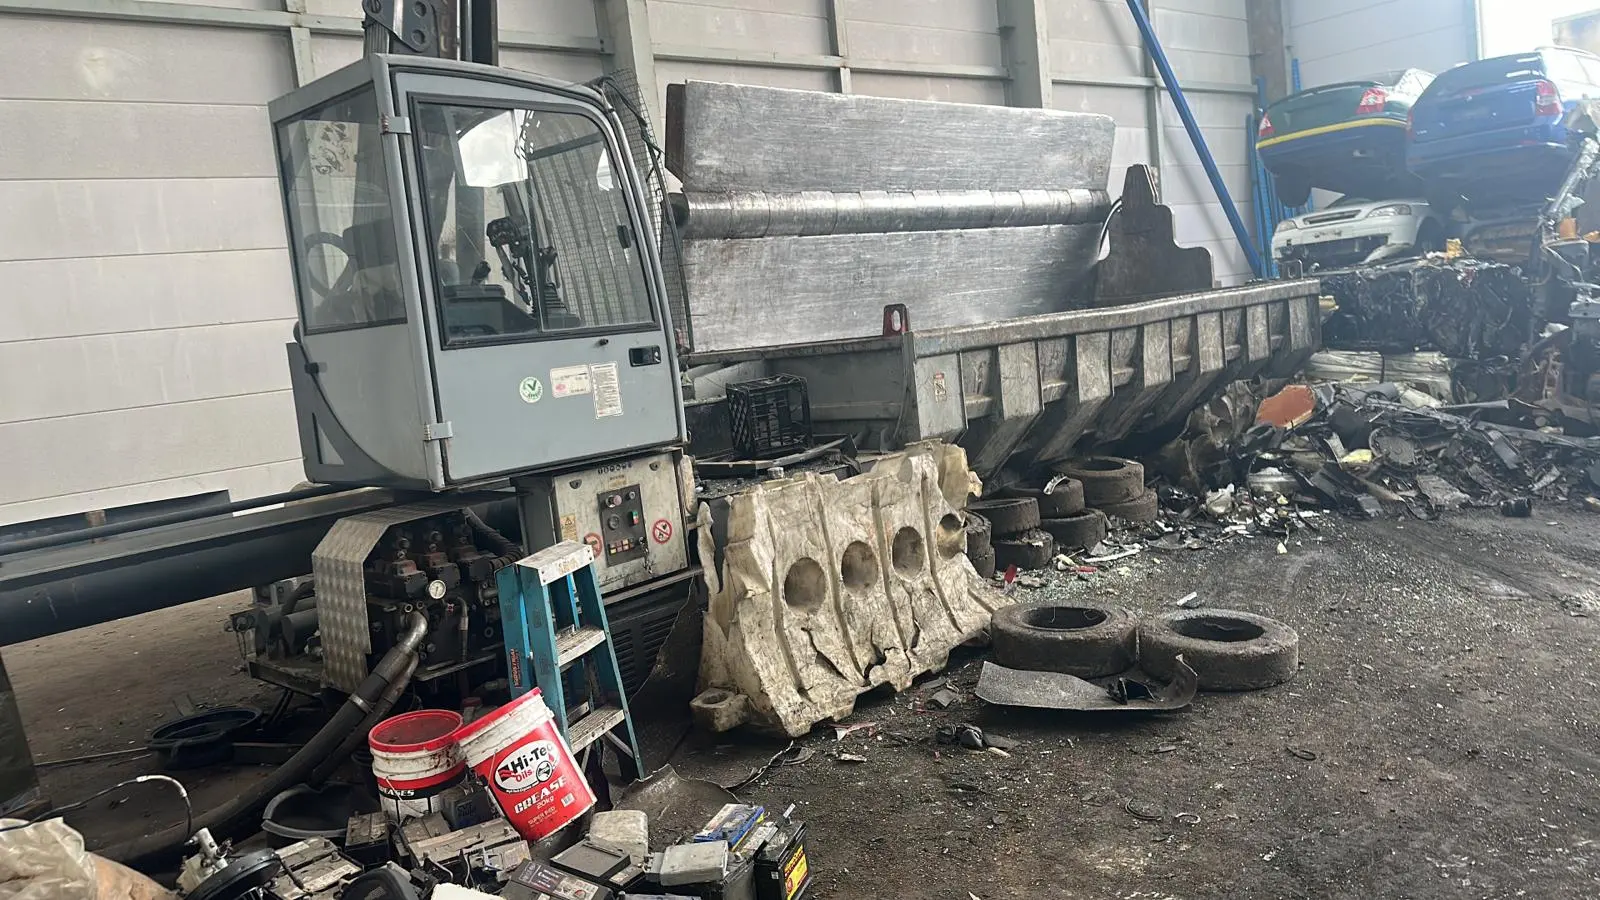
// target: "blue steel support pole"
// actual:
[[1159, 57]]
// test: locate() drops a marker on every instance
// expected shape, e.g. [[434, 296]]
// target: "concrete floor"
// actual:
[[1447, 694]]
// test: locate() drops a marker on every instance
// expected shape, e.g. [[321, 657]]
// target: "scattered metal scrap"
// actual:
[[1371, 450], [1056, 690]]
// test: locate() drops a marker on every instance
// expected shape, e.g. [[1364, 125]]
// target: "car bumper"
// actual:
[[1496, 154], [1374, 137], [1348, 243]]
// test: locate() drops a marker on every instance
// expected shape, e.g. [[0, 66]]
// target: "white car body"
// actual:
[[1351, 232]]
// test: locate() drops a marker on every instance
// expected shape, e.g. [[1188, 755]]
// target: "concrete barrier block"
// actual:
[[824, 589]]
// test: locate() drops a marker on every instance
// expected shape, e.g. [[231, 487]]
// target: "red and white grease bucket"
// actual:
[[415, 758], [520, 754]]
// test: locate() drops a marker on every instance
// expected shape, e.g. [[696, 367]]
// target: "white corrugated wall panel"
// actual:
[[1337, 40], [141, 237]]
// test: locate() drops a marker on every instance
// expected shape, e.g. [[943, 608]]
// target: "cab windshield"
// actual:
[[528, 225]]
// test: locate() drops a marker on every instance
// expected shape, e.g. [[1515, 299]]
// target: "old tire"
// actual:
[[983, 563], [979, 534], [1293, 188], [1008, 515], [1065, 500], [1032, 549], [1141, 509], [1081, 531], [1228, 650], [1085, 641], [1107, 479]]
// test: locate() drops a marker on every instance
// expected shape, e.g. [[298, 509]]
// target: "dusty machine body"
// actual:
[[482, 324]]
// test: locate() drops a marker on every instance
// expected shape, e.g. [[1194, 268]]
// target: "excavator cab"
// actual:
[[480, 293]]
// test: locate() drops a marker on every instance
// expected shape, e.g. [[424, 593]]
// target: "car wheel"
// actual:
[[1294, 189], [1430, 237]]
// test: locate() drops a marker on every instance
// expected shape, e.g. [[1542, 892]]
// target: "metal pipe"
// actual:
[[178, 517], [1159, 56]]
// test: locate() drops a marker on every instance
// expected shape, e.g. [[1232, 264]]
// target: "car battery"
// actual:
[[602, 865], [534, 880], [733, 823], [782, 870], [739, 882], [367, 839]]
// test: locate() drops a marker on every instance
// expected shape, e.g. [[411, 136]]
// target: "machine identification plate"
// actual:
[[569, 381], [607, 390]]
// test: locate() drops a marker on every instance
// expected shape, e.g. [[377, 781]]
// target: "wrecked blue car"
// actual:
[[1492, 131]]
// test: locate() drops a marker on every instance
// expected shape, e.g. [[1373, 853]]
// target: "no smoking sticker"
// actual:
[[661, 531]]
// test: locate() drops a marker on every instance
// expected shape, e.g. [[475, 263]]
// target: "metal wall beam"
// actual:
[[626, 25], [839, 41], [261, 19], [1140, 81], [1268, 42], [300, 45], [1025, 44]]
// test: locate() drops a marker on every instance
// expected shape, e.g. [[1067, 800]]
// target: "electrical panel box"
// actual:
[[632, 512], [479, 281]]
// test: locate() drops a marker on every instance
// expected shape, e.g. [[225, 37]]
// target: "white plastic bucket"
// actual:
[[520, 754], [416, 759]]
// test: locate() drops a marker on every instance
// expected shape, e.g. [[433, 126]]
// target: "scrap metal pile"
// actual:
[[1466, 308], [1375, 450]]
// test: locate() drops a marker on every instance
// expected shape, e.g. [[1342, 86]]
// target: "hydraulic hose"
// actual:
[[358, 735], [229, 819], [503, 546]]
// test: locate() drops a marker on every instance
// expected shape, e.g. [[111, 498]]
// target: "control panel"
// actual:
[[622, 526], [631, 511]]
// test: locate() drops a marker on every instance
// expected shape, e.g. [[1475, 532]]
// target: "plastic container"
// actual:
[[415, 759], [520, 754], [769, 417]]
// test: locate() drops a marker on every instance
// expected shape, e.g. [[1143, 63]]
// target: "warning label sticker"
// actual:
[[607, 390], [569, 527], [569, 381]]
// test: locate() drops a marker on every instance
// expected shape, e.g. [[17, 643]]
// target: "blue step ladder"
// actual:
[[558, 640]]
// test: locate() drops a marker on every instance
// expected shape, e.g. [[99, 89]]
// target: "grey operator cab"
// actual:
[[480, 293]]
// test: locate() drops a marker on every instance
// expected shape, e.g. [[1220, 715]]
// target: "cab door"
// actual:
[[542, 292]]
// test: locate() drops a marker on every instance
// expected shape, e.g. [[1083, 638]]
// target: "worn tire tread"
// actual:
[[1103, 649], [1102, 486], [1008, 515], [1271, 659]]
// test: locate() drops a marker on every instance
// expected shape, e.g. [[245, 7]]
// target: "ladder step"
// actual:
[[572, 645], [590, 728]]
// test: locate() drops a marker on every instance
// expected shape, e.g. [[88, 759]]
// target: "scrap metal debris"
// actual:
[[1372, 450], [1054, 690], [1466, 308]]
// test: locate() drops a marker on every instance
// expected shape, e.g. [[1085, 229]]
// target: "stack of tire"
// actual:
[[1015, 536], [980, 545], [1115, 487], [1063, 514]]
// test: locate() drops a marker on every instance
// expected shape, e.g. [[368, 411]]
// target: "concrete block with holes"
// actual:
[[828, 588]]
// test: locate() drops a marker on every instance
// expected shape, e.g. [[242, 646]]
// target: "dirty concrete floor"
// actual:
[[1447, 693]]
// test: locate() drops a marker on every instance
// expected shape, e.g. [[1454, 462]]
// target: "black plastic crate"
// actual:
[[769, 416]]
